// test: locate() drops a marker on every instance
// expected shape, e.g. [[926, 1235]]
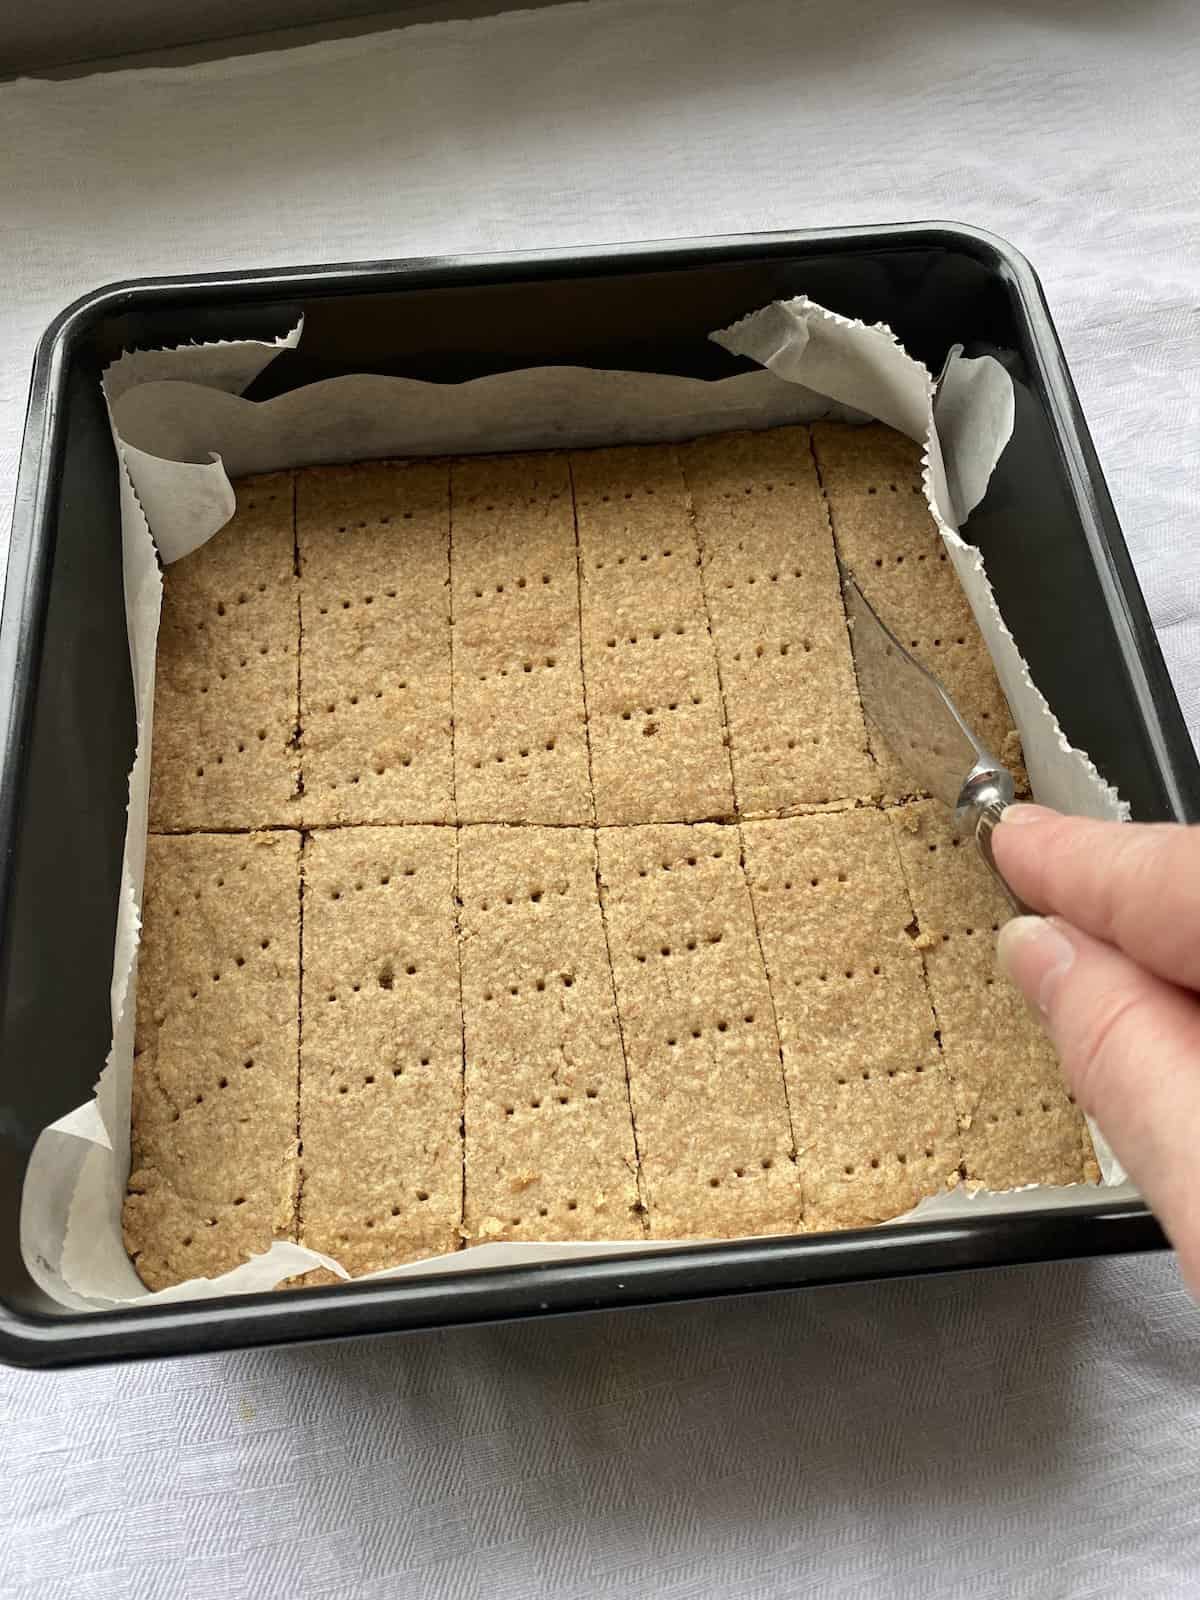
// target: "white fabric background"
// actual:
[[1019, 1433]]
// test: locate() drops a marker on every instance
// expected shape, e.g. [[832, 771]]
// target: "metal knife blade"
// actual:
[[924, 729]]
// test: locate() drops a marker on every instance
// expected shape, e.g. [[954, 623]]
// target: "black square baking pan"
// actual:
[[1053, 550]]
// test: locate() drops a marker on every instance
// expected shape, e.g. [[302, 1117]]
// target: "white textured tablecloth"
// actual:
[[1026, 1432]]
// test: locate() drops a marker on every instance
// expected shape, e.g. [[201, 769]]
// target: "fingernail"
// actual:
[[1023, 811], [1035, 955]]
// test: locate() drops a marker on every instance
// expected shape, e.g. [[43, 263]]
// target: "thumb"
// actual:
[[1129, 1043]]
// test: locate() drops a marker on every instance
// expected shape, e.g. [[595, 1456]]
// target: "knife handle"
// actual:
[[987, 816]]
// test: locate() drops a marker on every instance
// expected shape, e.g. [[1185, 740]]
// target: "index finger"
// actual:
[[1134, 885]]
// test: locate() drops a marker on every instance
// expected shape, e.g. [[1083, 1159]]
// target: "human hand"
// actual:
[[1113, 968]]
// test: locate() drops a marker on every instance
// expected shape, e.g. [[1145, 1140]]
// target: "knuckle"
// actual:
[[1141, 870], [1063, 866], [1155, 895]]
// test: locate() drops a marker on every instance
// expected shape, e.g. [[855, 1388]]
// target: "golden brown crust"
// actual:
[[549, 1141], [700, 1039], [225, 681], [374, 546], [871, 1105], [213, 1169], [653, 700], [520, 740], [766, 970], [775, 603], [1019, 1126], [886, 537], [381, 1047]]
